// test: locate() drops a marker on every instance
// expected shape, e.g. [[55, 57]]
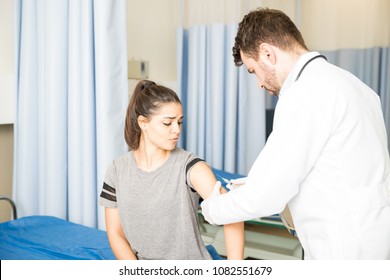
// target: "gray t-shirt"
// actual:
[[158, 210]]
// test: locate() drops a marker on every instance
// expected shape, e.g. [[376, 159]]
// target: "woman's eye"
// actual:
[[167, 124]]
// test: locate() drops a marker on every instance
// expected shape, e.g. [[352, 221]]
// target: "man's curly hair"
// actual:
[[266, 26]]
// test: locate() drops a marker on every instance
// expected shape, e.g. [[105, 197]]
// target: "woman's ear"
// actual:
[[142, 122]]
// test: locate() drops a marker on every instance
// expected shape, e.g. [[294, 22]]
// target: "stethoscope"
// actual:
[[310, 60]]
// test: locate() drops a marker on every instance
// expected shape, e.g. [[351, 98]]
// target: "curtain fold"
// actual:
[[384, 88], [71, 96], [81, 114], [111, 87]]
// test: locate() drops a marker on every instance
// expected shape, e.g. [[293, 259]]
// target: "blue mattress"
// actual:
[[51, 238]]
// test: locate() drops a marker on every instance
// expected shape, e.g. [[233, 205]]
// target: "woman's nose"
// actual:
[[176, 128]]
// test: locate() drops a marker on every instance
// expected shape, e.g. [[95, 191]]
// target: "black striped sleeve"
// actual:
[[108, 192], [188, 167], [192, 163]]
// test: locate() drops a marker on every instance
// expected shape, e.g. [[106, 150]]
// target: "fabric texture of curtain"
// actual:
[[71, 97]]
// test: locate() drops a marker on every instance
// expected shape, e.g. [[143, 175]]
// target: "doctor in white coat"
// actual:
[[327, 156]]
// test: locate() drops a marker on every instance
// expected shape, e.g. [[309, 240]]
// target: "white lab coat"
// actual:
[[327, 159]]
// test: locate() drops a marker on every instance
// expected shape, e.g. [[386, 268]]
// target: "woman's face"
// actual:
[[163, 128]]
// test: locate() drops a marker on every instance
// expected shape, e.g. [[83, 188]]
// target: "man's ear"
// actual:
[[267, 53], [142, 122]]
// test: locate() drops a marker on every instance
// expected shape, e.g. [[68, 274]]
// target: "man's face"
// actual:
[[265, 74]]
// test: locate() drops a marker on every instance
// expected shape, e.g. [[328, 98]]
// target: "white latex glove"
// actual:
[[235, 183], [205, 203]]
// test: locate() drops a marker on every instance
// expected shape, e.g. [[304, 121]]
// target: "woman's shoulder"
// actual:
[[183, 154], [122, 160]]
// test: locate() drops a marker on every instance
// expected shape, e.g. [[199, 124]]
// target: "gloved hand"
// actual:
[[235, 183], [205, 203]]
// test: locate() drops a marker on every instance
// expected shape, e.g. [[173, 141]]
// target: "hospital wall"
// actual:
[[325, 24], [6, 104], [151, 29]]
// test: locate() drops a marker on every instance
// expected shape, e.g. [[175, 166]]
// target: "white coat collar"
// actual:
[[295, 70]]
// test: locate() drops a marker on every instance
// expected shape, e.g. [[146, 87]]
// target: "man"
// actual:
[[326, 158]]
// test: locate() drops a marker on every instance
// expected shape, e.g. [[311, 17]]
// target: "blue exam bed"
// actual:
[[51, 238]]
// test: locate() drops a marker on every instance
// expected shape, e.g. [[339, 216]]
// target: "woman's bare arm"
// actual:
[[116, 237], [203, 180]]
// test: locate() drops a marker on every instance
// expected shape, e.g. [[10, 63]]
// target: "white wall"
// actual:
[[6, 62], [348, 24], [6, 104], [151, 35]]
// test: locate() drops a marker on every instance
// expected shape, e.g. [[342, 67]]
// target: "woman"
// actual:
[[151, 193]]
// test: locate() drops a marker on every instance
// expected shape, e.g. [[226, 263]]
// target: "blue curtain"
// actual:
[[71, 97], [224, 110]]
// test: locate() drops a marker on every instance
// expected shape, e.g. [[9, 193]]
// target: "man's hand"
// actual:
[[236, 183], [205, 203]]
